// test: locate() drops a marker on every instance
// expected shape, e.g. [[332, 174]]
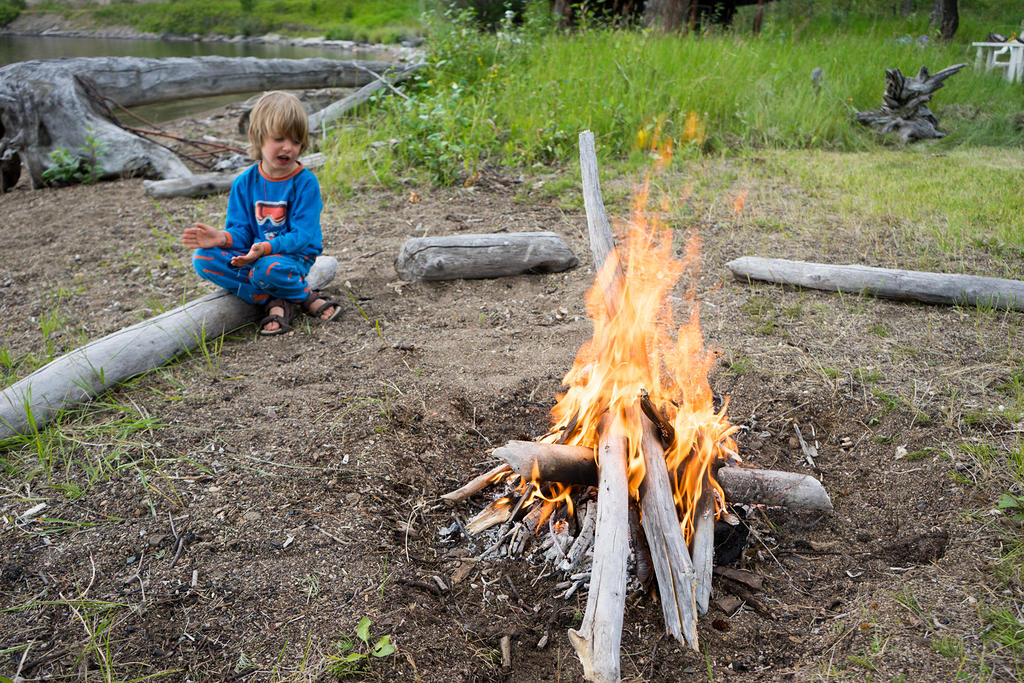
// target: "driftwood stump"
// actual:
[[53, 104], [904, 108]]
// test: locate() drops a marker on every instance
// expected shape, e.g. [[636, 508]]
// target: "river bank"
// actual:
[[78, 26]]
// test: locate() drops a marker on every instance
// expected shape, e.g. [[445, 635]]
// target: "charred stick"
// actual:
[[642, 552], [665, 429], [476, 484]]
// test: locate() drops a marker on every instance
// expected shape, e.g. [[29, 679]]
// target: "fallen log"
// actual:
[[906, 285], [672, 565], [568, 465], [598, 639], [904, 109], [204, 184], [80, 375], [482, 256], [55, 104], [335, 110]]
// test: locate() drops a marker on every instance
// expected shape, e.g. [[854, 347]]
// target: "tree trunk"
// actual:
[[56, 104], [80, 375], [949, 19], [667, 15]]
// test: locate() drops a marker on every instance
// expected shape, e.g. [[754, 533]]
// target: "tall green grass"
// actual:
[[520, 96], [383, 21]]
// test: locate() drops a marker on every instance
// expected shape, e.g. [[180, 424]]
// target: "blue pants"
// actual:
[[271, 277]]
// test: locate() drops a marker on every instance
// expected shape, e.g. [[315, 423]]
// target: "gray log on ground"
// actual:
[[336, 110], [204, 184], [52, 104], [80, 375], [483, 256], [906, 285], [904, 109]]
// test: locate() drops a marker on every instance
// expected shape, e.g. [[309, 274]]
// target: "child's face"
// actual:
[[279, 155]]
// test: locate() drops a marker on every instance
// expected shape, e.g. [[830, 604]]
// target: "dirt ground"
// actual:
[[304, 471]]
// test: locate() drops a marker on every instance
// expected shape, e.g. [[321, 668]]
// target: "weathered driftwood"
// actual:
[[483, 256], [82, 374], [567, 464], [673, 568], [772, 487], [602, 242], [52, 104], [904, 109], [203, 184], [597, 640], [336, 110], [477, 484], [907, 285]]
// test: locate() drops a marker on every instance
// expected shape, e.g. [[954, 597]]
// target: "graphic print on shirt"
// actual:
[[271, 215]]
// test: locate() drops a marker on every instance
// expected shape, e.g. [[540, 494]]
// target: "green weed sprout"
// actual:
[[353, 655]]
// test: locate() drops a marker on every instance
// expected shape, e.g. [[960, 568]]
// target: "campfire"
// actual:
[[638, 428]]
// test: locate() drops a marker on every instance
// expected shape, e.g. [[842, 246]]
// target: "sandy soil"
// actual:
[[304, 471]]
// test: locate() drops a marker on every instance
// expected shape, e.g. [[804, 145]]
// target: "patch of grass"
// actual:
[[80, 447], [1005, 627]]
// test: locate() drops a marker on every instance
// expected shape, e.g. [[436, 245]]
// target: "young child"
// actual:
[[272, 233]]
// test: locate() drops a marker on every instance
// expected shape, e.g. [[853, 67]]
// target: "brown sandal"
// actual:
[[307, 306], [283, 320]]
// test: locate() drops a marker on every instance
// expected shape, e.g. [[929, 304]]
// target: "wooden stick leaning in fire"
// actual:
[[597, 640], [673, 569]]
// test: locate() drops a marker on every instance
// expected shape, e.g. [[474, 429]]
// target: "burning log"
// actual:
[[567, 465], [497, 512], [483, 256], [598, 638], [906, 285]]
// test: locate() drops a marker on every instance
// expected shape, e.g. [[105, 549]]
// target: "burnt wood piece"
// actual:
[[456, 257], [46, 105], [568, 464], [904, 109], [476, 484], [672, 565], [906, 285], [80, 375], [598, 639]]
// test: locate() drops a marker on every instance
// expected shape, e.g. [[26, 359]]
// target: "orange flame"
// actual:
[[632, 349]]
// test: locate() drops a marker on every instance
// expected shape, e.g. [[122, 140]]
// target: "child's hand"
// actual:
[[202, 236], [254, 254]]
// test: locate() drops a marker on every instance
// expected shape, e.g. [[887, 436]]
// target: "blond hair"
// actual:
[[277, 113]]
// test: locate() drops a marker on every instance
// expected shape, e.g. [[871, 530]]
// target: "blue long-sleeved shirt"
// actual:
[[282, 213]]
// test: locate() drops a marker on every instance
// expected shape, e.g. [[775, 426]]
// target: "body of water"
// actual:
[[20, 48]]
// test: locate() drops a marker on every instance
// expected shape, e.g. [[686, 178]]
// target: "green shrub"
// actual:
[[10, 10]]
